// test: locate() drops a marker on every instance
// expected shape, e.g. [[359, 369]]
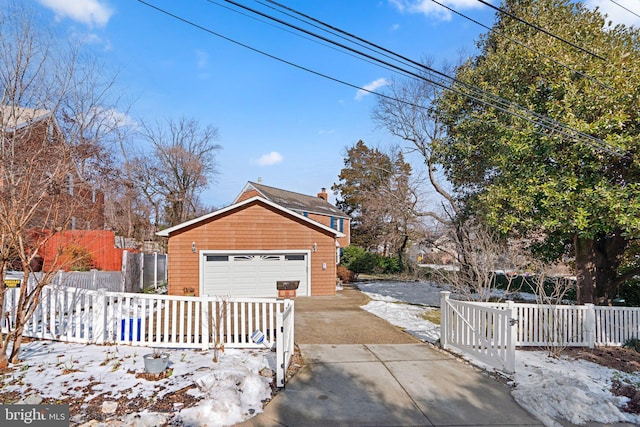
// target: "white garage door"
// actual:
[[253, 274]]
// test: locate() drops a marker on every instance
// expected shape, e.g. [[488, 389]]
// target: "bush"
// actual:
[[632, 344], [345, 275], [361, 261], [78, 257]]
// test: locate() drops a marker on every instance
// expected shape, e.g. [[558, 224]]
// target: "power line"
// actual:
[[519, 43], [542, 30], [289, 31], [625, 8], [478, 95], [539, 120]]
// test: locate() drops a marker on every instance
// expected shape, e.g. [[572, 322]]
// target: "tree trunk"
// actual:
[[585, 270], [597, 263]]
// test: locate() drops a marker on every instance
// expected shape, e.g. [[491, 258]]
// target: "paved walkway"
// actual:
[[362, 371]]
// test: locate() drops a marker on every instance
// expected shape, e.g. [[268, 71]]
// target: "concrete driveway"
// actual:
[[360, 370]]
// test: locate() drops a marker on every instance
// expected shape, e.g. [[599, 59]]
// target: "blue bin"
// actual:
[[131, 329]]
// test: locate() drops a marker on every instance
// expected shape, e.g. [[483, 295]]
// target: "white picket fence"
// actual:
[[483, 333], [165, 321], [285, 340], [490, 332]]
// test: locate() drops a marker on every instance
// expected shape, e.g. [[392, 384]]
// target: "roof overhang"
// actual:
[[167, 232]]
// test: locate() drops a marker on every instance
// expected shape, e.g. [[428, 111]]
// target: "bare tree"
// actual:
[[179, 167], [50, 98], [127, 210]]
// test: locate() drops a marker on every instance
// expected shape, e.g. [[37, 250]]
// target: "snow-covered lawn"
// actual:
[[226, 392], [550, 388]]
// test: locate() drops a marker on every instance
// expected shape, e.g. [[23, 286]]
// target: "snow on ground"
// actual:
[[232, 390], [550, 388]]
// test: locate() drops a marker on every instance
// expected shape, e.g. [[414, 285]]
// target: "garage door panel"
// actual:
[[253, 275]]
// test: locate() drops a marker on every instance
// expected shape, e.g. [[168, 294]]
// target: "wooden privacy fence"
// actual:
[[491, 331], [99, 317]]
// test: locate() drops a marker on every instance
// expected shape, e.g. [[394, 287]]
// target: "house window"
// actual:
[[217, 258], [341, 225], [305, 214], [333, 222], [294, 257]]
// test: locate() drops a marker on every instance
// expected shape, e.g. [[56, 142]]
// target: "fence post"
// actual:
[[511, 338], [444, 318], [280, 350], [99, 318], [125, 255], [141, 271], [155, 270], [60, 273], [204, 303], [590, 325]]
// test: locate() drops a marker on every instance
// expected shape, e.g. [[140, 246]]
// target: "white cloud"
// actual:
[[434, 10], [270, 159], [370, 87], [90, 12], [616, 12]]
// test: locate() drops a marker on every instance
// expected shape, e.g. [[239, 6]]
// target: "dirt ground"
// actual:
[[622, 359]]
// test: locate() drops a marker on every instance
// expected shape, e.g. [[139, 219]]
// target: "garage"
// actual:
[[253, 274]]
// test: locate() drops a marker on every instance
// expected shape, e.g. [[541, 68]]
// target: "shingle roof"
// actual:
[[14, 118], [256, 199], [296, 201]]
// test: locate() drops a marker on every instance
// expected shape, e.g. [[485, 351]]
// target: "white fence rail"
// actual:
[[490, 332], [86, 316], [573, 325]]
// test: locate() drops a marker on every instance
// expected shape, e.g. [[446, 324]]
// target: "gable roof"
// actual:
[[294, 201], [166, 232], [15, 118]]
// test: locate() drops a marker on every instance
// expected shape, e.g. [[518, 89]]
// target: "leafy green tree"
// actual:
[[376, 189], [365, 170], [574, 195]]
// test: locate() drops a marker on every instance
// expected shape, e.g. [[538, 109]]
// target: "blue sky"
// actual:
[[276, 122]]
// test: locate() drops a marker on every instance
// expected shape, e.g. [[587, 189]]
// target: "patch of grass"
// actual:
[[432, 316]]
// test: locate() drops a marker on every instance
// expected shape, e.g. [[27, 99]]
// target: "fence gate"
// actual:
[[484, 333]]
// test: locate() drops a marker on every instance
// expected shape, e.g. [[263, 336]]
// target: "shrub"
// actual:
[[345, 275], [632, 344]]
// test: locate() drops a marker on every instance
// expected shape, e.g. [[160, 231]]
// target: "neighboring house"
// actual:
[[442, 251], [32, 143], [38, 136], [247, 247]]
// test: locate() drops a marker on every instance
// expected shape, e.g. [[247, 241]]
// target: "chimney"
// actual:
[[323, 194]]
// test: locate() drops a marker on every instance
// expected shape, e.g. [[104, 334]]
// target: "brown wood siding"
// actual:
[[252, 227], [326, 220], [247, 195]]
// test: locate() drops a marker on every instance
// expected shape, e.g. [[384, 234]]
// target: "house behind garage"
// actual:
[[267, 235]]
